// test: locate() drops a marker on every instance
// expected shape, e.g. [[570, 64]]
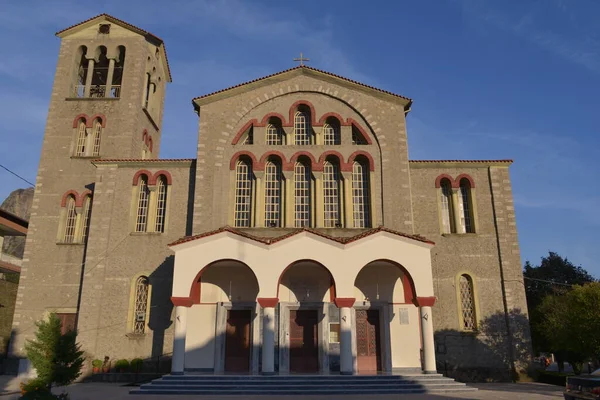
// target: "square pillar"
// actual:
[[268, 342], [346, 359]]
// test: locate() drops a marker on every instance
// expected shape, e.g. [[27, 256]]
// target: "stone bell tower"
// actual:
[[107, 103]]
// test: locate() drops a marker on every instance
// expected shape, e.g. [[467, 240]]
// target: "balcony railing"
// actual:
[[11, 259], [97, 91]]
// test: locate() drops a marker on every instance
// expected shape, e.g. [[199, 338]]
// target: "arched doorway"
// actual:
[[386, 323], [223, 329], [306, 290]]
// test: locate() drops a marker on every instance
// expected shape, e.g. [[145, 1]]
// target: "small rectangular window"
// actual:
[[334, 332], [404, 316]]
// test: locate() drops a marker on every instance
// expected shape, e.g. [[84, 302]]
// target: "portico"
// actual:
[[302, 302]]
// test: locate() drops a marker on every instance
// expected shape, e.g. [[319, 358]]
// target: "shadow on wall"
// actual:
[[161, 307], [484, 355]]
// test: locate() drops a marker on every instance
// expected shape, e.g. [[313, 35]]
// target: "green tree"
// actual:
[[57, 358], [553, 277], [570, 324]]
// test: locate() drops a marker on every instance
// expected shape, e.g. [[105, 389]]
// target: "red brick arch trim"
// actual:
[[314, 165], [63, 202], [331, 153], [101, 117], [337, 116], [145, 136], [461, 177], [136, 177], [365, 154], [344, 302], [439, 179], [164, 173], [284, 164], [236, 157], [362, 131], [243, 130], [78, 118], [294, 108], [425, 301], [265, 119], [83, 195], [266, 302]]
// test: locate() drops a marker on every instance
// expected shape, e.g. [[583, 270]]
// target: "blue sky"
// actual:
[[512, 79]]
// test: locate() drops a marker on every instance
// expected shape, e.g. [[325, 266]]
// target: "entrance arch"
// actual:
[[306, 281], [224, 280]]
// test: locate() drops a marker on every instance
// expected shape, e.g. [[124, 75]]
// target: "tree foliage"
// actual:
[[57, 358]]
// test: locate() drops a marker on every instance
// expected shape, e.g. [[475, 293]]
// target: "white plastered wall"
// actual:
[[200, 336]]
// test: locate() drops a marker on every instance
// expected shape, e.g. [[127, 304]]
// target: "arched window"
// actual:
[[272, 194], [117, 76], [100, 74], [357, 137], [467, 303], [249, 139], [70, 220], [87, 212], [361, 195], [274, 133], [465, 207], [302, 128], [331, 194], [446, 206], [243, 193], [302, 195], [331, 132], [142, 204], [96, 137], [161, 204], [142, 286], [81, 72], [82, 138]]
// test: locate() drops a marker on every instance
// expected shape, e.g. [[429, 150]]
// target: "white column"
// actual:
[[429, 366], [178, 361], [109, 77], [88, 79], [346, 359], [268, 344]]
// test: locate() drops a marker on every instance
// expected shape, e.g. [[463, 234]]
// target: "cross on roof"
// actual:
[[301, 59]]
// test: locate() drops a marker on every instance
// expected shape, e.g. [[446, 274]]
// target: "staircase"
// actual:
[[300, 384]]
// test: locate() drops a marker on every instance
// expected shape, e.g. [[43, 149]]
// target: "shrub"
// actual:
[[136, 364], [96, 363], [553, 378], [122, 365]]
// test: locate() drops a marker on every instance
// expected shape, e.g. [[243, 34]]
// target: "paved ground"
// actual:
[[489, 391]]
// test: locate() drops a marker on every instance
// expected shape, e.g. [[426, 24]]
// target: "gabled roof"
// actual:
[[299, 70], [151, 37], [275, 239]]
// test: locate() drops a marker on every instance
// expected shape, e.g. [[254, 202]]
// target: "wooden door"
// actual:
[[368, 346], [237, 341], [304, 350]]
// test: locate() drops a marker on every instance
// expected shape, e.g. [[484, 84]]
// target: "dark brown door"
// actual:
[[304, 353], [237, 341], [367, 341]]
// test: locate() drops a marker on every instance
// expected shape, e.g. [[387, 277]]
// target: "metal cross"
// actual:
[[301, 59]]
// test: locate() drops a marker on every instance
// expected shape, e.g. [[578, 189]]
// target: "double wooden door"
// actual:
[[237, 341], [368, 347], [304, 350]]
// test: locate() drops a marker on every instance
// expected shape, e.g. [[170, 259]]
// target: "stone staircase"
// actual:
[[300, 384]]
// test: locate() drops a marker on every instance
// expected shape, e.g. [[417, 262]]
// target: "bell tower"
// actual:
[[106, 103]]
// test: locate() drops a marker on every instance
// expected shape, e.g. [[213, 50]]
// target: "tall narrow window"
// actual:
[[81, 73], [274, 135], [464, 207], [249, 137], [446, 207], [70, 220], [331, 195], [302, 128], [161, 205], [141, 304], [357, 137], [302, 195], [87, 211], [360, 195], [272, 194], [142, 206], [243, 194], [331, 132], [82, 138], [467, 303], [96, 138]]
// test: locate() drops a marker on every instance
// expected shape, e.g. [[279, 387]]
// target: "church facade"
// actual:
[[301, 238]]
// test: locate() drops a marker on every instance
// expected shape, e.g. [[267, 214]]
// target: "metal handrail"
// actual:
[[97, 91]]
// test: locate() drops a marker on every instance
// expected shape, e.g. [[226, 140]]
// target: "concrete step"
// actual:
[[305, 391], [302, 377], [331, 382]]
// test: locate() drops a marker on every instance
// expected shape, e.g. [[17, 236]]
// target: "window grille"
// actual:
[[274, 136], [331, 195], [97, 133], [87, 208], [357, 137], [360, 196], [272, 194], [302, 197], [464, 208], [81, 139], [243, 194], [141, 305], [301, 129], [161, 205], [142, 208], [331, 135], [446, 203], [71, 221], [467, 303]]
